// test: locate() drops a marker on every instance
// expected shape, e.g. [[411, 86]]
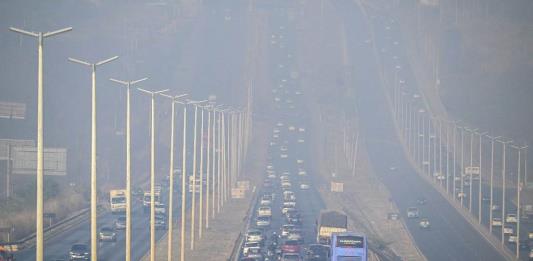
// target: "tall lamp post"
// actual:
[[128, 84], [171, 176], [94, 243], [152, 169], [39, 240], [193, 202]]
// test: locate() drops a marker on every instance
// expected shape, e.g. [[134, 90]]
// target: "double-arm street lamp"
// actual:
[[94, 243], [175, 99], [128, 84], [39, 239], [152, 169]]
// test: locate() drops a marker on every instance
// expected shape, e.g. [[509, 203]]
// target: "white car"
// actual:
[[262, 221], [284, 210], [254, 235], [289, 204], [255, 252], [292, 128], [279, 124], [248, 245], [496, 222], [266, 201], [300, 140], [299, 161], [302, 172], [424, 223], [286, 185], [513, 239], [264, 211], [511, 218], [508, 230], [276, 130], [284, 155], [286, 229], [275, 136], [301, 129], [412, 212], [304, 186]]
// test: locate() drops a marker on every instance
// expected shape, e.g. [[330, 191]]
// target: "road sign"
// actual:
[[25, 161], [6, 143], [472, 170], [12, 110], [243, 184], [237, 192], [337, 187]]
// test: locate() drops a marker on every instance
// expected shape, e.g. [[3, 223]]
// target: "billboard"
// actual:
[[25, 161]]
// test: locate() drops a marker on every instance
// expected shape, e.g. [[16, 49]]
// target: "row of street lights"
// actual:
[[228, 133], [437, 146]]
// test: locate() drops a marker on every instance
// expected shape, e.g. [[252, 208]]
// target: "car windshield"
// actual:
[[106, 229], [291, 242], [263, 218], [79, 247]]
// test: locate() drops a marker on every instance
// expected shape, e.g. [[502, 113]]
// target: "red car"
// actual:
[[290, 246]]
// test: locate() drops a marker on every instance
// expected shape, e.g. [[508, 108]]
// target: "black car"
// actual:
[[317, 252], [79, 252]]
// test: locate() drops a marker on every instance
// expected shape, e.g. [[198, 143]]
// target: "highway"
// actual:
[[289, 135], [450, 236], [389, 43]]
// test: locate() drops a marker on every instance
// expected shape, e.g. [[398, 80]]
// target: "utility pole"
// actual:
[[39, 233], [128, 164], [152, 169]]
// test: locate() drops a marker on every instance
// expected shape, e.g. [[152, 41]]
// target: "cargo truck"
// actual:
[[329, 222]]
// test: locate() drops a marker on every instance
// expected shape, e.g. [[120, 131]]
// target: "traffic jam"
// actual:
[[282, 225]]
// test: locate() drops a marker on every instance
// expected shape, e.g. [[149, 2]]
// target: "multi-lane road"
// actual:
[[289, 153]]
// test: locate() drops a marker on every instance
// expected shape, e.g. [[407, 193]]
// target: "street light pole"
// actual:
[[183, 181], [128, 164], [208, 169], [94, 243], [491, 178], [39, 228], [504, 172], [480, 193], [193, 202], [201, 210], [171, 176], [152, 169], [213, 158], [471, 168]]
